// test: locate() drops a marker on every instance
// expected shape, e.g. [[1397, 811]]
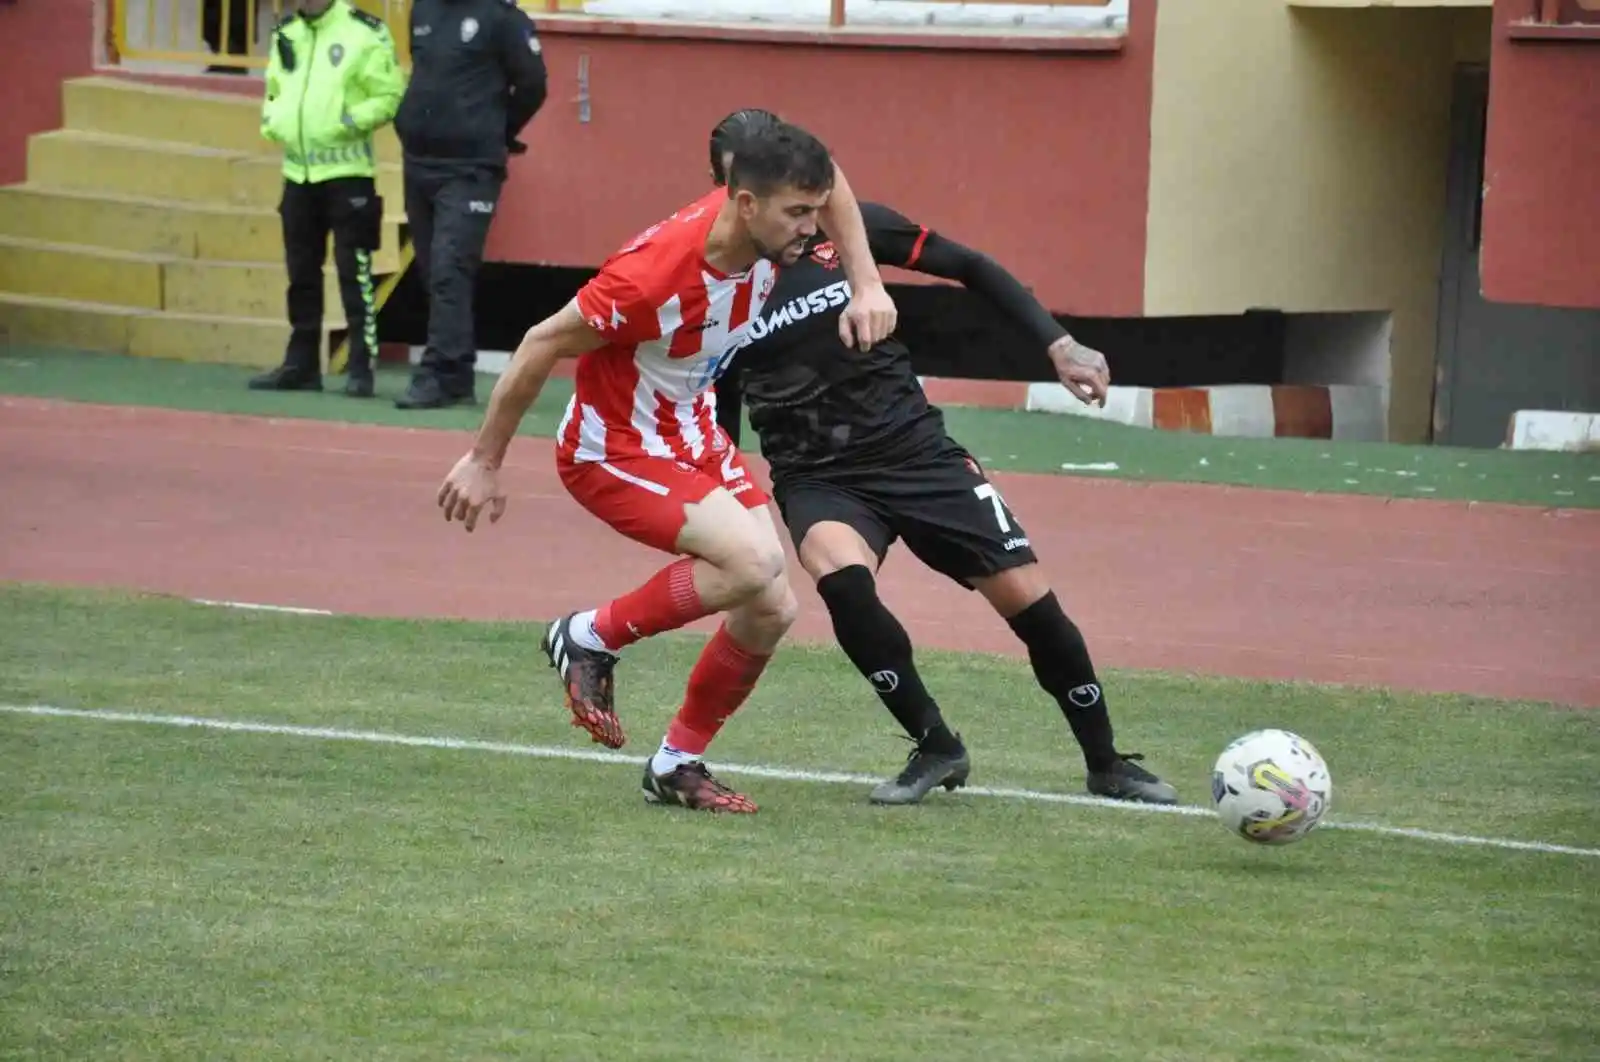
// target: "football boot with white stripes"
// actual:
[[586, 677]]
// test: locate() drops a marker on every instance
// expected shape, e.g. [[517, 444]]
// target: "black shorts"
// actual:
[[940, 503]]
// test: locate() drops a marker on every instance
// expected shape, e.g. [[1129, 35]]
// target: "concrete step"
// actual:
[[243, 289], [258, 182], [159, 227], [83, 274], [50, 322], [123, 223], [248, 234], [118, 165], [247, 341], [222, 120]]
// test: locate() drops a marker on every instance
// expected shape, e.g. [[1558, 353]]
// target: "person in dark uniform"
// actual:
[[859, 458], [241, 19], [477, 78]]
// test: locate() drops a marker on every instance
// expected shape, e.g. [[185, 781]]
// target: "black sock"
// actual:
[[879, 647], [1061, 663]]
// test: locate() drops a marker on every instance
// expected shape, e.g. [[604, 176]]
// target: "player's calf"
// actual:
[[1061, 663], [876, 642], [723, 678]]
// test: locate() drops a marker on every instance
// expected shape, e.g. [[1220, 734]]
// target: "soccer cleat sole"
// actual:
[[603, 726], [736, 805]]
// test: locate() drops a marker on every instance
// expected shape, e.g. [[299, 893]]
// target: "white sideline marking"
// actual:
[[254, 607], [787, 774]]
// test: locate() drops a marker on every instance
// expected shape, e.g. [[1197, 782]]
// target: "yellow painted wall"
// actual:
[[1298, 162]]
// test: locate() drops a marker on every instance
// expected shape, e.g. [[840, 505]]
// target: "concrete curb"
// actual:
[[1545, 429], [1336, 411]]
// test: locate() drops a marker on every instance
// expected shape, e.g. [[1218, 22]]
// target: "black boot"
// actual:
[[285, 378], [423, 392]]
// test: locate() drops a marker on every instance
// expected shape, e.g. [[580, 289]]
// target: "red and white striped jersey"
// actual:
[[672, 324]]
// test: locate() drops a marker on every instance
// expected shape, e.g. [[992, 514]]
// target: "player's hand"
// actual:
[[869, 319], [1082, 370], [467, 489]]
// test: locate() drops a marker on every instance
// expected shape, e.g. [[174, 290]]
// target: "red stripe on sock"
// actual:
[[720, 683], [667, 601]]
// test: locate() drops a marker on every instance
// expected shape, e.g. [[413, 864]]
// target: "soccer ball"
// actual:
[[1271, 787]]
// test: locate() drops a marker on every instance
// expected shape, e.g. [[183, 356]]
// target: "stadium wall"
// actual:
[[1541, 213], [51, 40], [1307, 149], [1039, 157]]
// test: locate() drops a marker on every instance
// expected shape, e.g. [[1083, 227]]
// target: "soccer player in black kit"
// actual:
[[859, 458]]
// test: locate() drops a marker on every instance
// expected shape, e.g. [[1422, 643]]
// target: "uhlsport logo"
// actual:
[[1085, 695]]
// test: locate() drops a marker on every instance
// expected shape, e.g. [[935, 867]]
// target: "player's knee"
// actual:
[[851, 596], [779, 607], [752, 569], [1014, 590], [848, 589]]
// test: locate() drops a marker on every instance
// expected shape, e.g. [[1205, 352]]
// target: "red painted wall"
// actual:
[[50, 40], [1541, 210], [1040, 159]]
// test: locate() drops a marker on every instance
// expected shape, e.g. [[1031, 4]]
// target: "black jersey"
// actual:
[[816, 402]]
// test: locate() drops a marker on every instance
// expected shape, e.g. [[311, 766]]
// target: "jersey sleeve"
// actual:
[[895, 239], [615, 304], [522, 58]]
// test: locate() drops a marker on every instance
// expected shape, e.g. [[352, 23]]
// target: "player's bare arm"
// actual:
[[474, 482], [871, 316], [1081, 369]]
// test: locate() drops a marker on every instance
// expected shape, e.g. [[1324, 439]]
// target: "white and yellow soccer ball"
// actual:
[[1271, 787]]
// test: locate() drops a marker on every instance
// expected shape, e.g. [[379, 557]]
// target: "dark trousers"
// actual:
[[729, 403], [241, 29], [349, 209], [449, 211]]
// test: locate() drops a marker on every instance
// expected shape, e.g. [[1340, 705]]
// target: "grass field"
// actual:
[[1016, 442], [185, 893]]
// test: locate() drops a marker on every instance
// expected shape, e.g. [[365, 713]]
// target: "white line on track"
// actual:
[[251, 606], [787, 774]]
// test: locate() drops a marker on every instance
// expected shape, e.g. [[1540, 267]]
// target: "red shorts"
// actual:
[[643, 497]]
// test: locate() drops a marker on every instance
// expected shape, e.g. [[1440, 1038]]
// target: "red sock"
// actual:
[[667, 601], [720, 682]]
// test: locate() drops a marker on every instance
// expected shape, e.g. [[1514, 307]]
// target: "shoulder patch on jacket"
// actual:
[[366, 18]]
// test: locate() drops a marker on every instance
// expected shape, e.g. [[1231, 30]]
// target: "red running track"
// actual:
[[1426, 595]]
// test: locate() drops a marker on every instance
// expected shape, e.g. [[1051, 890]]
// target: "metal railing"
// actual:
[[229, 35], [234, 35]]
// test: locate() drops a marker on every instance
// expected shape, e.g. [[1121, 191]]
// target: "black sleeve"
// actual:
[[898, 241], [523, 58]]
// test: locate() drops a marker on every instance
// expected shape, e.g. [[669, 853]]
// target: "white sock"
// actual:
[[667, 759], [584, 634]]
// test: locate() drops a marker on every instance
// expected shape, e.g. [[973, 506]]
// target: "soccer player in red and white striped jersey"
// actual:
[[639, 446]]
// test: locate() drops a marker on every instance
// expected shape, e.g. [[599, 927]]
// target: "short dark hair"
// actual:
[[731, 132], [780, 156]]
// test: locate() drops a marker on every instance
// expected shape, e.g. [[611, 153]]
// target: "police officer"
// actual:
[[332, 80], [477, 78]]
